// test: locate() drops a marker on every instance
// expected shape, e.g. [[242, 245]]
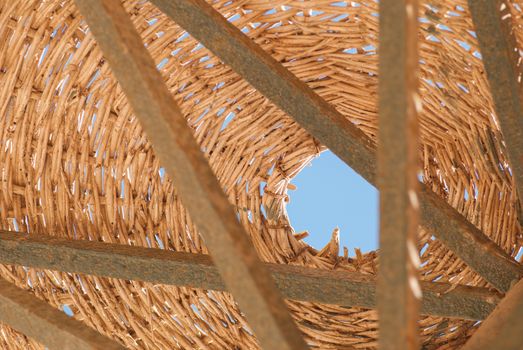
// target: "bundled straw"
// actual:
[[76, 163]]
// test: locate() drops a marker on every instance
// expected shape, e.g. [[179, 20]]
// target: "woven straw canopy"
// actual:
[[76, 164]]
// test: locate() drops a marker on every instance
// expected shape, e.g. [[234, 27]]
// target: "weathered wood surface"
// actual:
[[231, 248], [331, 128], [198, 271], [503, 329], [398, 291], [500, 54], [37, 319]]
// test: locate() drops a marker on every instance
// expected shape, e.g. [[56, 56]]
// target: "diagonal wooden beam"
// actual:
[[331, 128], [503, 329], [398, 289], [198, 271], [231, 248], [37, 319], [274, 81], [500, 53]]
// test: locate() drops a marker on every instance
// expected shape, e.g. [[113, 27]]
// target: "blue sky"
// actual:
[[330, 194]]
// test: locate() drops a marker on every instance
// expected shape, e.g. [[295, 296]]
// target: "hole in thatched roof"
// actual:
[[330, 194], [67, 310]]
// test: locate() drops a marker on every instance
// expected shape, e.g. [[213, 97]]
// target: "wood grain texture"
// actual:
[[232, 250], [503, 329], [35, 318], [398, 291], [501, 57], [198, 271], [331, 128]]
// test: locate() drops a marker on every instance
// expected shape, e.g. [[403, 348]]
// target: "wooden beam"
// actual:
[[197, 271], [229, 244], [503, 329], [274, 81], [500, 53], [468, 242], [331, 128], [399, 291], [37, 319]]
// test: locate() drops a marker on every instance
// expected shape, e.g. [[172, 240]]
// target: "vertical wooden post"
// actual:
[[333, 130], [398, 290]]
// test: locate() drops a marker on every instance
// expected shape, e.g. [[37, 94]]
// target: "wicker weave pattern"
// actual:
[[75, 161]]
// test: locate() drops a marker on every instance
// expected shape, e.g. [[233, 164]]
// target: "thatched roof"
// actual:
[[75, 162]]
